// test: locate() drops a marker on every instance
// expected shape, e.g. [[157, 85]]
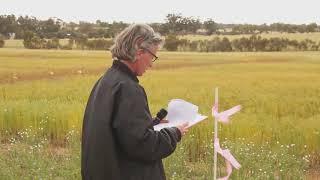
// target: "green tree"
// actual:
[[171, 43], [210, 26], [225, 45], [311, 27], [2, 43], [173, 21]]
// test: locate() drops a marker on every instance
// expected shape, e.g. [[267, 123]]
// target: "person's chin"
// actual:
[[140, 74]]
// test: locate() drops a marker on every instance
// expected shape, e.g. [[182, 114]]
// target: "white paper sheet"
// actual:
[[179, 112]]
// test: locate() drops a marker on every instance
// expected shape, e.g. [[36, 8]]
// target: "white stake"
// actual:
[[215, 136]]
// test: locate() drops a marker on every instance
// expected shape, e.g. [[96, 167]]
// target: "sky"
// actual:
[[147, 11]]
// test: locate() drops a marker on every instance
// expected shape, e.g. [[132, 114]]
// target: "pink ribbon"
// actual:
[[224, 116], [229, 159]]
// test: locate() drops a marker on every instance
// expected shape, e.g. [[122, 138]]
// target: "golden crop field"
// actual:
[[276, 135]]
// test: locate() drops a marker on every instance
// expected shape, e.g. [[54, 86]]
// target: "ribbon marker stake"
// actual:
[[223, 117]]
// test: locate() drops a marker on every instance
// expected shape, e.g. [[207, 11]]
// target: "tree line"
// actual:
[[254, 43], [173, 24], [32, 41]]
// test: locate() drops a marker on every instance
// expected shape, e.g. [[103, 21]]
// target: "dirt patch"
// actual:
[[313, 174], [56, 74]]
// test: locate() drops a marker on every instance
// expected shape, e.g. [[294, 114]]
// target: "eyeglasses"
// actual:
[[154, 56]]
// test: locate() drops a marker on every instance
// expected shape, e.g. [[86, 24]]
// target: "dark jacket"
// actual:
[[118, 140]]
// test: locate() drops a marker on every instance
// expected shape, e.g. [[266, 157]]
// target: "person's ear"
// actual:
[[139, 52]]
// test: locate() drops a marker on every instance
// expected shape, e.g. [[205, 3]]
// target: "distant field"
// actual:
[[276, 136], [292, 36], [14, 43], [18, 43]]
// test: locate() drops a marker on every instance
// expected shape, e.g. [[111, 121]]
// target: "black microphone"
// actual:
[[160, 115]]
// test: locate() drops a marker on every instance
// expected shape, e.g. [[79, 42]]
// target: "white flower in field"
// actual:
[[305, 146], [51, 73], [277, 142], [292, 145]]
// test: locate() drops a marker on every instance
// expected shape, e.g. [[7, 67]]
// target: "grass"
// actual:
[[276, 135]]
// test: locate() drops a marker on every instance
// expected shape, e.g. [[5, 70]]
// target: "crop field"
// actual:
[[276, 135]]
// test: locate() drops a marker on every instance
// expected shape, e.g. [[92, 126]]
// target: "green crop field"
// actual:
[[276, 135]]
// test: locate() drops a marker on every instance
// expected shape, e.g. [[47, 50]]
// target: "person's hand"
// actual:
[[163, 121], [183, 128]]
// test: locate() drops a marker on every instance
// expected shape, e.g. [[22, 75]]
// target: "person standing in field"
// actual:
[[118, 139]]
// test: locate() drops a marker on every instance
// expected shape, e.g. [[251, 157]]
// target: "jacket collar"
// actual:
[[125, 69]]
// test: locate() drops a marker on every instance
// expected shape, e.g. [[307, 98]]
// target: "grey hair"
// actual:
[[133, 38]]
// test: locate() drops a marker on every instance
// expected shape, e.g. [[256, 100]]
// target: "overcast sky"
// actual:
[[146, 11]]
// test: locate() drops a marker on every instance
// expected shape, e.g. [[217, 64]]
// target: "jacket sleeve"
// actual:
[[132, 125]]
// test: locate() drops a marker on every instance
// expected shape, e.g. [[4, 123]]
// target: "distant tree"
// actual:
[[49, 26], [28, 35], [85, 27], [258, 44], [2, 43], [193, 24], [275, 44], [312, 27], [194, 45], [53, 44], [210, 26], [173, 21], [225, 45], [8, 24], [81, 41], [171, 43], [213, 45], [32, 41]]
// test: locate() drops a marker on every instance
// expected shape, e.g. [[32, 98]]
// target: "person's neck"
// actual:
[[130, 65]]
